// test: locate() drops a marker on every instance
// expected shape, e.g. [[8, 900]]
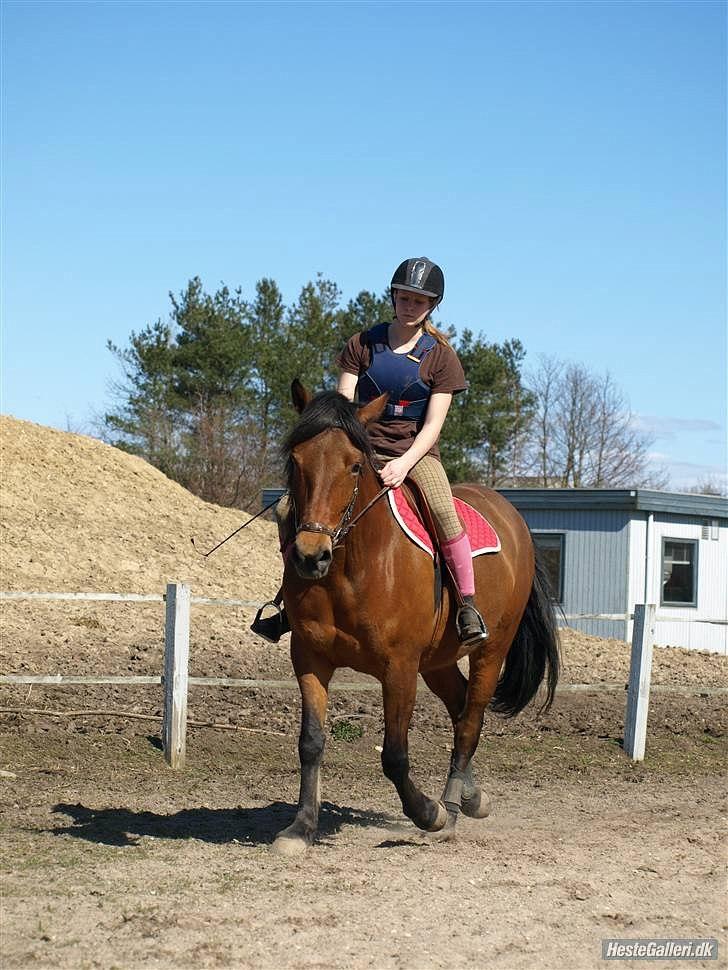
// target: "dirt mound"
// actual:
[[81, 516]]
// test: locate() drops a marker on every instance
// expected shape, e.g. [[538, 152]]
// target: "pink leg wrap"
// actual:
[[458, 556]]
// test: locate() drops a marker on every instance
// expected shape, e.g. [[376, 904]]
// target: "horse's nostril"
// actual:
[[325, 556]]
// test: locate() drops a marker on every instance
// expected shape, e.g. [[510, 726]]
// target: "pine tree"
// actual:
[[485, 422], [148, 420]]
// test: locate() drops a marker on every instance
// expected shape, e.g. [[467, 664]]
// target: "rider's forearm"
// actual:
[[347, 385], [421, 445]]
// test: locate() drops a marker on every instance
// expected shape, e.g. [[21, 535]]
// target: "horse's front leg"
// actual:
[[314, 673], [399, 689]]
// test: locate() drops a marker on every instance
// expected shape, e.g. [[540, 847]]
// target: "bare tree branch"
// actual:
[[584, 434]]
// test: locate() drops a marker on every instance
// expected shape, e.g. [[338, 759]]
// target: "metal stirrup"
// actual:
[[480, 634]]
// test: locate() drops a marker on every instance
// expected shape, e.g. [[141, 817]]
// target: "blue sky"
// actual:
[[563, 162]]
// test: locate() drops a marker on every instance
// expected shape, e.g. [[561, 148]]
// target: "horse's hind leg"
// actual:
[[399, 689], [461, 791], [314, 674], [485, 667]]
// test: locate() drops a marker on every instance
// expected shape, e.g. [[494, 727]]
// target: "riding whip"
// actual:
[[252, 519]]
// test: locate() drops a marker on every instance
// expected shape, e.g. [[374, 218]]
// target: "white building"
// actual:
[[608, 549]]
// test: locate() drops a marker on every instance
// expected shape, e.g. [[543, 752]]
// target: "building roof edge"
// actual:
[[629, 499]]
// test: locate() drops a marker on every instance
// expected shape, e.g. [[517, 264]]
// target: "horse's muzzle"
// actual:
[[311, 563]]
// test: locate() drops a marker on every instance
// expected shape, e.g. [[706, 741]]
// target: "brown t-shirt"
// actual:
[[440, 369]]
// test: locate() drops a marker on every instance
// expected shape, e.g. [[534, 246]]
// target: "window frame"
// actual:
[[692, 604], [558, 594]]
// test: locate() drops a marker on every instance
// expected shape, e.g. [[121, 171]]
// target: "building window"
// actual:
[[550, 550], [679, 572]]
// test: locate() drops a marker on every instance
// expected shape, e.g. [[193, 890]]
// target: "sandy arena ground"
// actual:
[[112, 860]]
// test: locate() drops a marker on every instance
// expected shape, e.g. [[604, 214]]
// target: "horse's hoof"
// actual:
[[287, 845], [478, 806], [447, 833], [440, 818]]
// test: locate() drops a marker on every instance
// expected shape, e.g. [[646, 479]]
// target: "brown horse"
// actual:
[[362, 597]]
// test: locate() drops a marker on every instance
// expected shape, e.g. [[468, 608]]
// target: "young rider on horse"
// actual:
[[414, 362]]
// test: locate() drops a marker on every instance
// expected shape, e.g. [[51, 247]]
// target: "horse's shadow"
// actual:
[[252, 826]]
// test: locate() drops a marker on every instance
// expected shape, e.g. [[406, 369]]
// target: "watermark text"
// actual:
[[703, 949]]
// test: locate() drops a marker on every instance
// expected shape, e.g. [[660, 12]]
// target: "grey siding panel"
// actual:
[[614, 629], [596, 563]]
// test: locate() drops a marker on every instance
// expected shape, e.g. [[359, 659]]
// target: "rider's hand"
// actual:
[[394, 472]]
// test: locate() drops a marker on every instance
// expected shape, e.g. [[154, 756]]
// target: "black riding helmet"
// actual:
[[419, 275]]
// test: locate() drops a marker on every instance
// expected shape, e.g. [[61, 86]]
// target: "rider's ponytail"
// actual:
[[429, 327]]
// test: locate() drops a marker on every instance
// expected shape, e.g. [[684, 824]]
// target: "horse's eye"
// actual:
[[356, 468]]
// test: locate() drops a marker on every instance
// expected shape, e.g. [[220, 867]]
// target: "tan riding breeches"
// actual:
[[429, 475]]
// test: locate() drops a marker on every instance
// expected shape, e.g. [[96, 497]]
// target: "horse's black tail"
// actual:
[[535, 647]]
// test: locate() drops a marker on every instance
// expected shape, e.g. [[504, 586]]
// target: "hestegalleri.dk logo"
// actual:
[[660, 949]]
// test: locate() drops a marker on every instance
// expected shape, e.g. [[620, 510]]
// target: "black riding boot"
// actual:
[[470, 625], [272, 627]]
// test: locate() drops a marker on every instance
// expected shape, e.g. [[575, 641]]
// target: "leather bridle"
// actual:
[[346, 522]]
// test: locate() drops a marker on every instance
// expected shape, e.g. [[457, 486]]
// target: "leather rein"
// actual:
[[346, 522], [337, 535]]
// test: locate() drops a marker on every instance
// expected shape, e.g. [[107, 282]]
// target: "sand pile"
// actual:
[[81, 516]]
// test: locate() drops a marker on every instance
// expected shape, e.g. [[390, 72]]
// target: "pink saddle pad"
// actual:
[[483, 537]]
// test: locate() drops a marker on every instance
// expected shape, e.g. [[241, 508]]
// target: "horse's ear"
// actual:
[[299, 395], [373, 410]]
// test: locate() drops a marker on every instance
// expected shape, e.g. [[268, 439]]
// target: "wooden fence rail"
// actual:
[[126, 598], [176, 680], [221, 601]]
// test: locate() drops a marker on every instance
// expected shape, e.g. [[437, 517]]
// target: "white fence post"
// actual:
[[638, 692], [176, 669]]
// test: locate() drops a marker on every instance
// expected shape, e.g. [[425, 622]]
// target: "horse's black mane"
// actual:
[[327, 410]]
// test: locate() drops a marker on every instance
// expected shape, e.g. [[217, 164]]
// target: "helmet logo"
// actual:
[[417, 273]]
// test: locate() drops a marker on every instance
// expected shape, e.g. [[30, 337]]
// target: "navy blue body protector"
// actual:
[[397, 373]]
